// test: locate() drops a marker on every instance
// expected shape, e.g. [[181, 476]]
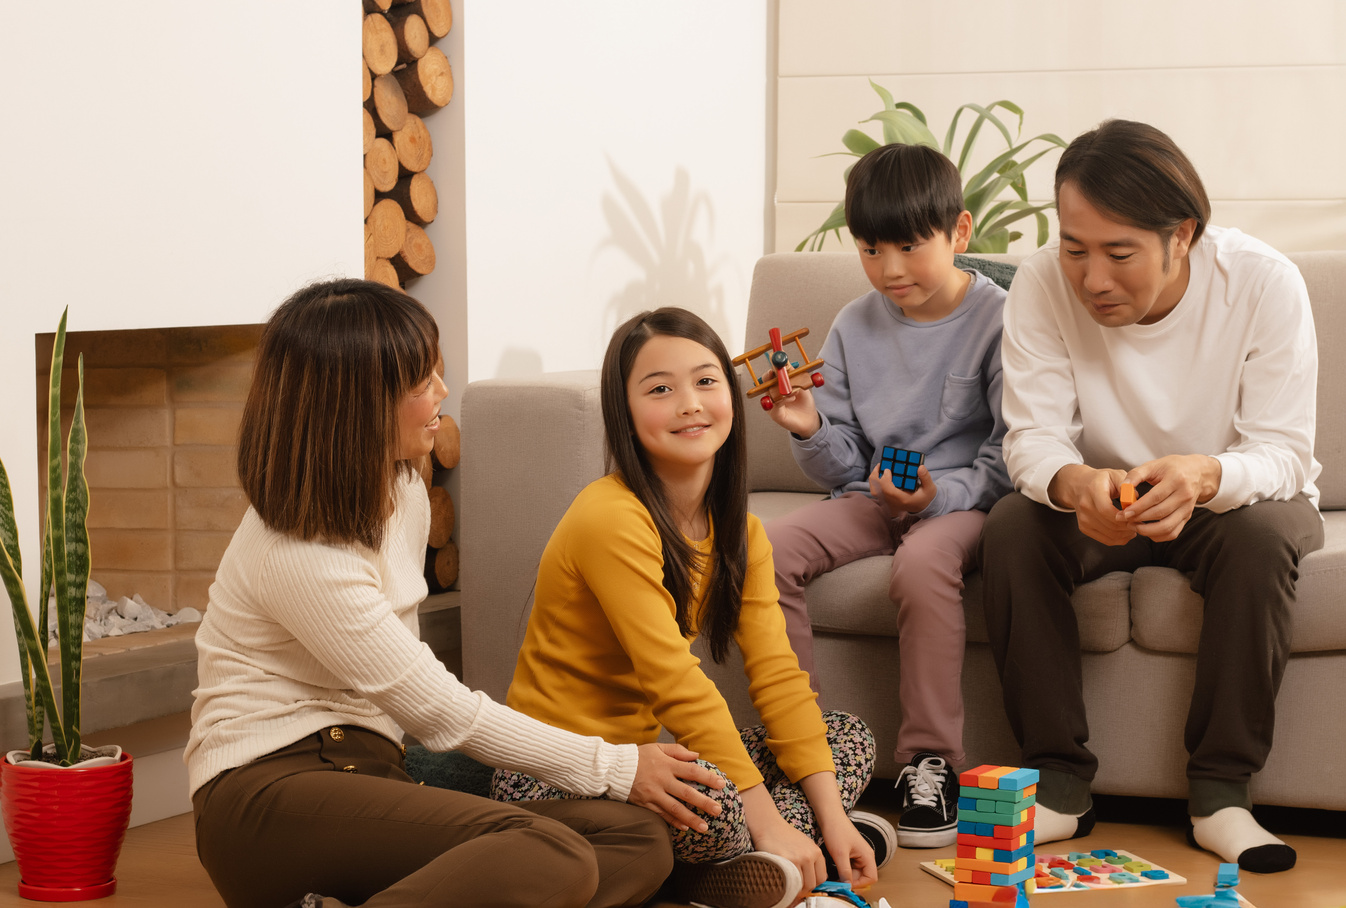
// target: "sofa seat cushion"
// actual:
[[853, 599], [1167, 614]]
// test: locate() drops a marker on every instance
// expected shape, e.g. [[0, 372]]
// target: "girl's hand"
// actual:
[[771, 833], [780, 838], [661, 785], [797, 412], [897, 502], [852, 855]]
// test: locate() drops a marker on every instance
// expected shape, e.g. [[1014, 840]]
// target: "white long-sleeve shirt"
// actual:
[[1231, 372], [302, 635]]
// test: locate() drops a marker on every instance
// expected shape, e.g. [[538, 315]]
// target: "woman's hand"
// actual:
[[661, 785], [771, 833]]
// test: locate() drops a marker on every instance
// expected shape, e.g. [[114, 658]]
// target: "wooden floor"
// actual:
[[158, 865]]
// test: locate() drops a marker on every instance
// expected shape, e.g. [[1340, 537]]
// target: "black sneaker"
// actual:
[[929, 803], [878, 832]]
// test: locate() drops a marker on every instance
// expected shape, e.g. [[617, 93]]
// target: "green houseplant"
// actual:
[[66, 806], [983, 191]]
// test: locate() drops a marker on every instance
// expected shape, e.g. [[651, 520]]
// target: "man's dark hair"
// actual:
[[1137, 175], [903, 194]]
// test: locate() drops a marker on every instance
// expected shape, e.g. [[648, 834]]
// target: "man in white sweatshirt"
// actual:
[[1147, 347]]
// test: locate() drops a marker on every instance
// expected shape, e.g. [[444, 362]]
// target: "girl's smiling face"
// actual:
[[680, 404], [418, 417]]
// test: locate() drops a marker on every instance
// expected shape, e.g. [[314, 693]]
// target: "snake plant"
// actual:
[[65, 575], [992, 216]]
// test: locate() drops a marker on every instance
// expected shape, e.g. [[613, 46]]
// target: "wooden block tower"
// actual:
[[994, 864]]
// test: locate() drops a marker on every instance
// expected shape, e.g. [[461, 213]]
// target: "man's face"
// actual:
[[1122, 275]]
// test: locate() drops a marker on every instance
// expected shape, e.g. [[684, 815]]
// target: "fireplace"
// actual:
[[163, 408]]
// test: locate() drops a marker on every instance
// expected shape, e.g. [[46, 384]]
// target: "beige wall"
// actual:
[[1252, 91]]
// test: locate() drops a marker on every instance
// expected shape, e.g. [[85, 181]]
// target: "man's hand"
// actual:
[[1089, 493], [661, 785], [897, 502], [1180, 482], [797, 412]]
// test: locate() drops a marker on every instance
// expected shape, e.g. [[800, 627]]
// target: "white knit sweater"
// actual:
[[302, 635]]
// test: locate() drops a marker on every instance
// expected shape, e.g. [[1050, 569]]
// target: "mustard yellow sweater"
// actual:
[[603, 655]]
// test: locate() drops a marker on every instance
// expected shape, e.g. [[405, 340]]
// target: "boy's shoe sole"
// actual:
[[753, 880], [879, 833]]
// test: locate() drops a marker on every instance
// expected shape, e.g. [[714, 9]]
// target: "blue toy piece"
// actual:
[[840, 890], [903, 465], [1227, 876]]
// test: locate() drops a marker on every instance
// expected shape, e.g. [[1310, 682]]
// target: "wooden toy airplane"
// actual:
[[775, 382]]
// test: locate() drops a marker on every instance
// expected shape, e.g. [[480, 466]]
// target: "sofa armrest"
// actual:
[[529, 446]]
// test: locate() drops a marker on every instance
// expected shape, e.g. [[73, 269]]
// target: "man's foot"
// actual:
[[1235, 836], [878, 832], [753, 880], [929, 803], [1050, 826]]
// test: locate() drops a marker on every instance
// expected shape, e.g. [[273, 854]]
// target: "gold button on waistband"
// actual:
[[348, 769], [336, 733]]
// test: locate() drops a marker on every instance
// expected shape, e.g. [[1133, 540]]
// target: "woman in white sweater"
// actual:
[[310, 666]]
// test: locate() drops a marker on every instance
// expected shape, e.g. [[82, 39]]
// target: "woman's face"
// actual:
[[418, 417], [680, 404]]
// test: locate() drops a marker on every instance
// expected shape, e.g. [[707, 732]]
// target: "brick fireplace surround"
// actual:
[[163, 408]]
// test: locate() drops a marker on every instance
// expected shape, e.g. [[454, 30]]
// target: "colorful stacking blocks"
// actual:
[[904, 465], [994, 865]]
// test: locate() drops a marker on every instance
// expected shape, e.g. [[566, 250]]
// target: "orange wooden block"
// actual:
[[984, 776], [1127, 495], [974, 892]]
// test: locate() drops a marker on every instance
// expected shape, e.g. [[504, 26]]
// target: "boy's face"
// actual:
[[919, 277]]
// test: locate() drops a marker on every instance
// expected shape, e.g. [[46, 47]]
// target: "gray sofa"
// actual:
[[530, 445]]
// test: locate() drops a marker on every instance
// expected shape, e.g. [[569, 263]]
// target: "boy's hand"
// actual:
[[797, 412], [897, 502]]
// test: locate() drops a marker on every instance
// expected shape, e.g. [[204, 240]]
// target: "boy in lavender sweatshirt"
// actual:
[[913, 364]]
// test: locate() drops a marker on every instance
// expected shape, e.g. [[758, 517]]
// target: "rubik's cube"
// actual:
[[994, 864], [903, 464]]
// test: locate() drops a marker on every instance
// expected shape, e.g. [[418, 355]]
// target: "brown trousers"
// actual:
[[1244, 563], [336, 814]]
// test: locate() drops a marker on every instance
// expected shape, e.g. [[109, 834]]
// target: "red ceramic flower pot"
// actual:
[[66, 827]]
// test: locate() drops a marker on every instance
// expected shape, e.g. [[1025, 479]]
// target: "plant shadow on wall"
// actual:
[[669, 248], [992, 215]]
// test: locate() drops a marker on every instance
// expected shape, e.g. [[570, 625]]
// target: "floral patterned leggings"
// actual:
[[852, 750]]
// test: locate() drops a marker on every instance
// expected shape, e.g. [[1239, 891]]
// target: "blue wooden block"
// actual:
[[1018, 780], [1154, 874], [1123, 877], [1009, 879], [1227, 876]]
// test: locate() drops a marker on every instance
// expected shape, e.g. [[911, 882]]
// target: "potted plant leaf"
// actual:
[[66, 806], [992, 215]]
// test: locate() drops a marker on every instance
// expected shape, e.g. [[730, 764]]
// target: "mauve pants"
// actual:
[[925, 583], [341, 818], [1243, 562]]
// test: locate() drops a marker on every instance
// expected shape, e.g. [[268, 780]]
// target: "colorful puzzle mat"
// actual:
[[1101, 868]]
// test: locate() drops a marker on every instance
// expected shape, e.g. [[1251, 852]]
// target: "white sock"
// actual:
[[1235, 836], [1050, 826]]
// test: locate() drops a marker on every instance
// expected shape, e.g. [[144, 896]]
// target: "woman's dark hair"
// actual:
[[903, 194], [1136, 174], [726, 499], [317, 450]]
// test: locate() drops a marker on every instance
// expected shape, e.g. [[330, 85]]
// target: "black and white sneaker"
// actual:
[[878, 832], [929, 803]]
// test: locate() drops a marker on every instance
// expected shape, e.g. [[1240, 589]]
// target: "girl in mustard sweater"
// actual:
[[657, 552]]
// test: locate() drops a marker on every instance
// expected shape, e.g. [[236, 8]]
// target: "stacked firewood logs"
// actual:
[[405, 78], [441, 557]]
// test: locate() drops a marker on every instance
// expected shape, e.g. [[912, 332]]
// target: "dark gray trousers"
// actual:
[[342, 819], [1244, 563]]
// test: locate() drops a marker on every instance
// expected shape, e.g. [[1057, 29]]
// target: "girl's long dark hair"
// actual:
[[726, 499]]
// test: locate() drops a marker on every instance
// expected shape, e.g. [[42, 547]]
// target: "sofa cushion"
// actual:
[[1166, 614], [853, 599]]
